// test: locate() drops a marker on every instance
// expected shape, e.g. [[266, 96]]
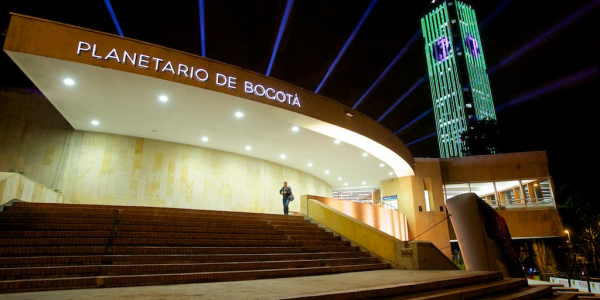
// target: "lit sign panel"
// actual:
[[441, 48], [472, 45], [157, 64]]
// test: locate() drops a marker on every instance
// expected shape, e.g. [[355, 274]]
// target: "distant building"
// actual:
[[460, 87]]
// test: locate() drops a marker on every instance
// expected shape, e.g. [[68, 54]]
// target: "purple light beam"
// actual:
[[284, 19], [348, 42], [548, 88], [414, 121], [422, 138], [586, 9], [389, 67], [416, 85]]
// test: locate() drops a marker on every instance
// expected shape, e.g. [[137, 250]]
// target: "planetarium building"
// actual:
[[121, 122]]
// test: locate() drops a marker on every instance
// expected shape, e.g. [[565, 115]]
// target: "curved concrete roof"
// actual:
[[118, 81]]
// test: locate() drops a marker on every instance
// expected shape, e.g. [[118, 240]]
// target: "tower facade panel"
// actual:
[[475, 63]]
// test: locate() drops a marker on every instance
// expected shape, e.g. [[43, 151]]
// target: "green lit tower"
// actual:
[[460, 87]]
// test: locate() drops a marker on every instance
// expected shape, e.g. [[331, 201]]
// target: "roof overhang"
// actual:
[[118, 81]]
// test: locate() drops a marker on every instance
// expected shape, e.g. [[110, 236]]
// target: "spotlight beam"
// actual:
[[414, 121], [416, 85], [113, 16], [586, 9], [202, 27], [348, 42], [543, 90], [493, 14], [389, 67], [550, 87], [284, 20], [422, 138]]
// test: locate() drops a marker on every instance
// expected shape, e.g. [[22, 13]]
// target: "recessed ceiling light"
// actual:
[[282, 156], [339, 178], [163, 98], [95, 122], [205, 139], [239, 114], [326, 171], [391, 173], [309, 164], [365, 154], [364, 182], [337, 141], [69, 81], [382, 165], [248, 148], [345, 183], [295, 128]]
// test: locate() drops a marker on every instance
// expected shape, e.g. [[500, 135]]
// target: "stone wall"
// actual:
[[99, 168]]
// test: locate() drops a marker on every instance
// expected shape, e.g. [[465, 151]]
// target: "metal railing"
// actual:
[[386, 205], [522, 202], [370, 201]]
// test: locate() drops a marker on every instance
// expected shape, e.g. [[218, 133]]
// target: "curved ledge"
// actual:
[[42, 48]]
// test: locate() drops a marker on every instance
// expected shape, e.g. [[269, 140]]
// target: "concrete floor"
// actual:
[[280, 288]]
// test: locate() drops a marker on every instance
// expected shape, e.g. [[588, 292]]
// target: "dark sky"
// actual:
[[556, 78]]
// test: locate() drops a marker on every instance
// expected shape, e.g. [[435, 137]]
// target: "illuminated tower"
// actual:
[[460, 87]]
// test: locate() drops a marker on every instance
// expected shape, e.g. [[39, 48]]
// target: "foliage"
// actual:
[[589, 243], [580, 211], [481, 138]]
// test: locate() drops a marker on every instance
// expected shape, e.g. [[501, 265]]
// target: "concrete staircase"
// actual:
[[65, 246]]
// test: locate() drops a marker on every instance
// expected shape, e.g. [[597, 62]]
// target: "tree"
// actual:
[[580, 210]]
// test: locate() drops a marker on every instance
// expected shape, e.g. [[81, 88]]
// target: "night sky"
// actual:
[[544, 57]]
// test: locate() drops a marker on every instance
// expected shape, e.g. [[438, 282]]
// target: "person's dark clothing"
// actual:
[[285, 191]]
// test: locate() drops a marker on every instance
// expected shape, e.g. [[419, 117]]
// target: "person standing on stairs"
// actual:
[[285, 191]]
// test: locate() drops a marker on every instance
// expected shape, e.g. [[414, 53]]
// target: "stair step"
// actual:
[[465, 292], [55, 227], [132, 234], [32, 242], [561, 296], [151, 216], [313, 237], [53, 234], [202, 224], [215, 236], [228, 250], [187, 229], [137, 228], [55, 207], [531, 292], [410, 290], [130, 259], [318, 231], [29, 251], [564, 289], [140, 269], [11, 286], [39, 261]]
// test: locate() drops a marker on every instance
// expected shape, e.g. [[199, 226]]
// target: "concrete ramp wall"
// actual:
[[409, 255], [15, 186]]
